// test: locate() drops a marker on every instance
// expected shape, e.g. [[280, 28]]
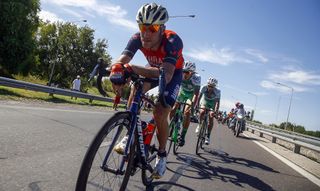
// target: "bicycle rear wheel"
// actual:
[[201, 136], [94, 176]]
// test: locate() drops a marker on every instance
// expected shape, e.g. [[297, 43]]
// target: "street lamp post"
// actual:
[[175, 16], [58, 59], [255, 103], [51, 61], [289, 104], [76, 21]]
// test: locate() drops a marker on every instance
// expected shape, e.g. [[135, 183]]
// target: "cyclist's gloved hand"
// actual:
[[127, 71], [120, 73]]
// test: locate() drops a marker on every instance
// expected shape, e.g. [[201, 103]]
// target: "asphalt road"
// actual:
[[41, 148]]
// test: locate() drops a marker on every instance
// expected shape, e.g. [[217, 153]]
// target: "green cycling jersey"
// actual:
[[189, 87]]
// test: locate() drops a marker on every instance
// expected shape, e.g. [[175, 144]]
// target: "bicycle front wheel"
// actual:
[[171, 135], [94, 175], [201, 136]]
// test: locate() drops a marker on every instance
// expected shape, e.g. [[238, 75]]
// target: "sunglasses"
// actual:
[[151, 28], [187, 72], [210, 86]]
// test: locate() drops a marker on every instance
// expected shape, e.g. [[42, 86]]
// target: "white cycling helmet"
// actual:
[[212, 82], [151, 13], [189, 66]]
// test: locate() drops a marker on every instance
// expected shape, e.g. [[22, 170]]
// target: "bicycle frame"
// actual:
[[205, 119], [135, 126], [178, 118]]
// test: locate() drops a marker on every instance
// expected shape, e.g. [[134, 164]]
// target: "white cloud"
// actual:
[[73, 13], [113, 13], [215, 56], [297, 76], [73, 3], [259, 55], [243, 90], [272, 85], [226, 56], [48, 16]]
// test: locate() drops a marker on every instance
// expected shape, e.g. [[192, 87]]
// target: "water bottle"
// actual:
[[147, 132]]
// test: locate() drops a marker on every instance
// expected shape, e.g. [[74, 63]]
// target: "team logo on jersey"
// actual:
[[154, 61], [175, 92]]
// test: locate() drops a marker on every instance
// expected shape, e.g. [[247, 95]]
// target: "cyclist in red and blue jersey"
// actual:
[[162, 48]]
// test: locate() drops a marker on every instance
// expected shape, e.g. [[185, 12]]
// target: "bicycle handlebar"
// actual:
[[102, 72]]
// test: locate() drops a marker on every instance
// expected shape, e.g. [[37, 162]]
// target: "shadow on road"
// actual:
[[163, 186], [225, 158], [201, 167]]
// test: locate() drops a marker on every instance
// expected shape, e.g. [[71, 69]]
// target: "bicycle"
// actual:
[[136, 154], [175, 128], [203, 131]]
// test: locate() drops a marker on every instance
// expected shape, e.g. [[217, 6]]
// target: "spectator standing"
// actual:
[[76, 84]]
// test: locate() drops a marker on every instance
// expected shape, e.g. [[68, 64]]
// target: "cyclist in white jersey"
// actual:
[[209, 99]]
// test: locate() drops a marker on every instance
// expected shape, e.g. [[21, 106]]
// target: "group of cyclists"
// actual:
[[163, 48]]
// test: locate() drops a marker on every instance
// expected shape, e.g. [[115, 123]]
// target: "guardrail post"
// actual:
[[261, 134], [296, 148], [90, 101], [274, 139], [252, 131]]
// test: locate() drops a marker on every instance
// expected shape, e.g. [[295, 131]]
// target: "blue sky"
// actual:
[[247, 45]]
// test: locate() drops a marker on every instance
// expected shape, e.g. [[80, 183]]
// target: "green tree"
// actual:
[[283, 126], [274, 125], [257, 121], [47, 48], [68, 51], [19, 22], [299, 129]]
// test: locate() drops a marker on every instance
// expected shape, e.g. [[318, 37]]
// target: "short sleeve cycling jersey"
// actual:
[[169, 51], [210, 97], [191, 85]]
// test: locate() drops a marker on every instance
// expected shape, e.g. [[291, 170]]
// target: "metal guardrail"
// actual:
[[284, 131], [298, 141], [51, 90]]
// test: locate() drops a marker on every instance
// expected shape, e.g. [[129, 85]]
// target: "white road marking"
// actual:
[[300, 170]]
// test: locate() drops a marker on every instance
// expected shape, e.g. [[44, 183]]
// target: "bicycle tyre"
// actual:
[[200, 139], [204, 131], [171, 130], [147, 179], [175, 148], [90, 155], [238, 129]]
